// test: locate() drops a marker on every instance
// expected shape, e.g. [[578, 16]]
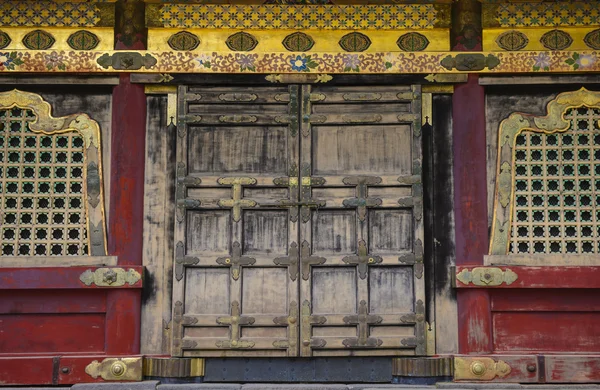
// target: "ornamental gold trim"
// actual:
[[510, 128]]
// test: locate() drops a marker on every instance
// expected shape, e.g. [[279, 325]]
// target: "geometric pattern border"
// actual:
[[275, 16], [543, 14], [286, 62], [35, 13]]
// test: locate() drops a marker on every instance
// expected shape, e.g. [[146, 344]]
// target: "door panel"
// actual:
[[299, 227], [233, 289], [362, 289]]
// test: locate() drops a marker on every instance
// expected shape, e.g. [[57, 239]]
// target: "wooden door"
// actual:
[[298, 228], [362, 288]]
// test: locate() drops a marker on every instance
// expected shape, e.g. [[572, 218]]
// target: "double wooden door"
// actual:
[[299, 222]]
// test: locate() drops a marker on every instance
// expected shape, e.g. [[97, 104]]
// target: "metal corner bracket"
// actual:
[[116, 369], [110, 277], [486, 276], [479, 368]]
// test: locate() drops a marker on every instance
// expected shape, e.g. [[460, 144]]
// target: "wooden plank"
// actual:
[[546, 331], [54, 261], [47, 333], [53, 278], [545, 300], [470, 193], [544, 277], [537, 80], [442, 239], [123, 321], [59, 301], [572, 369], [159, 209], [49, 370], [542, 260], [26, 370]]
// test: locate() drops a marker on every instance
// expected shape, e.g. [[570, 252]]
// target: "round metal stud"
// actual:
[[478, 368]]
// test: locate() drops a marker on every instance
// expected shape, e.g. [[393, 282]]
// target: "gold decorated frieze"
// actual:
[[540, 14], [56, 38], [282, 40], [280, 63], [294, 16], [541, 38]]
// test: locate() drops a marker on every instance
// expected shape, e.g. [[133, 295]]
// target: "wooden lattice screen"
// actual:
[[50, 181], [548, 182]]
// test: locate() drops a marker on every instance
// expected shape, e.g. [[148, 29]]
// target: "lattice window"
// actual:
[[42, 181], [557, 196], [548, 180], [46, 176]]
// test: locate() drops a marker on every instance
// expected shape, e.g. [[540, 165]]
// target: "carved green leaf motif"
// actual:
[[83, 40], [512, 40], [298, 41], [556, 40], [38, 40], [592, 39], [241, 41], [184, 41], [4, 40], [355, 41], [412, 41]]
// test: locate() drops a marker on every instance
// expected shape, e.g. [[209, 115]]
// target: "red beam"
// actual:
[[54, 278], [47, 370], [543, 277], [470, 211]]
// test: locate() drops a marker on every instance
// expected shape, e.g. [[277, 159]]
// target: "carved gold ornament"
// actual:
[[486, 276], [479, 368], [110, 277], [116, 369]]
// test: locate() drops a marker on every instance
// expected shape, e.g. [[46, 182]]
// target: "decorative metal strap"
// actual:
[[363, 320], [235, 321], [362, 259], [236, 203], [236, 260], [362, 201]]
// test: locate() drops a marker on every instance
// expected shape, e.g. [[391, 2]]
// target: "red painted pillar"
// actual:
[[125, 231], [128, 150], [470, 202]]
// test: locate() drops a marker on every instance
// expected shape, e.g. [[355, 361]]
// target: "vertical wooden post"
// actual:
[[128, 148], [470, 202]]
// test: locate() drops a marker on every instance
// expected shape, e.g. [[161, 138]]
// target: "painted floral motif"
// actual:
[[204, 60], [302, 63], [285, 62], [351, 62], [10, 60], [246, 62], [542, 61], [581, 61], [54, 60]]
